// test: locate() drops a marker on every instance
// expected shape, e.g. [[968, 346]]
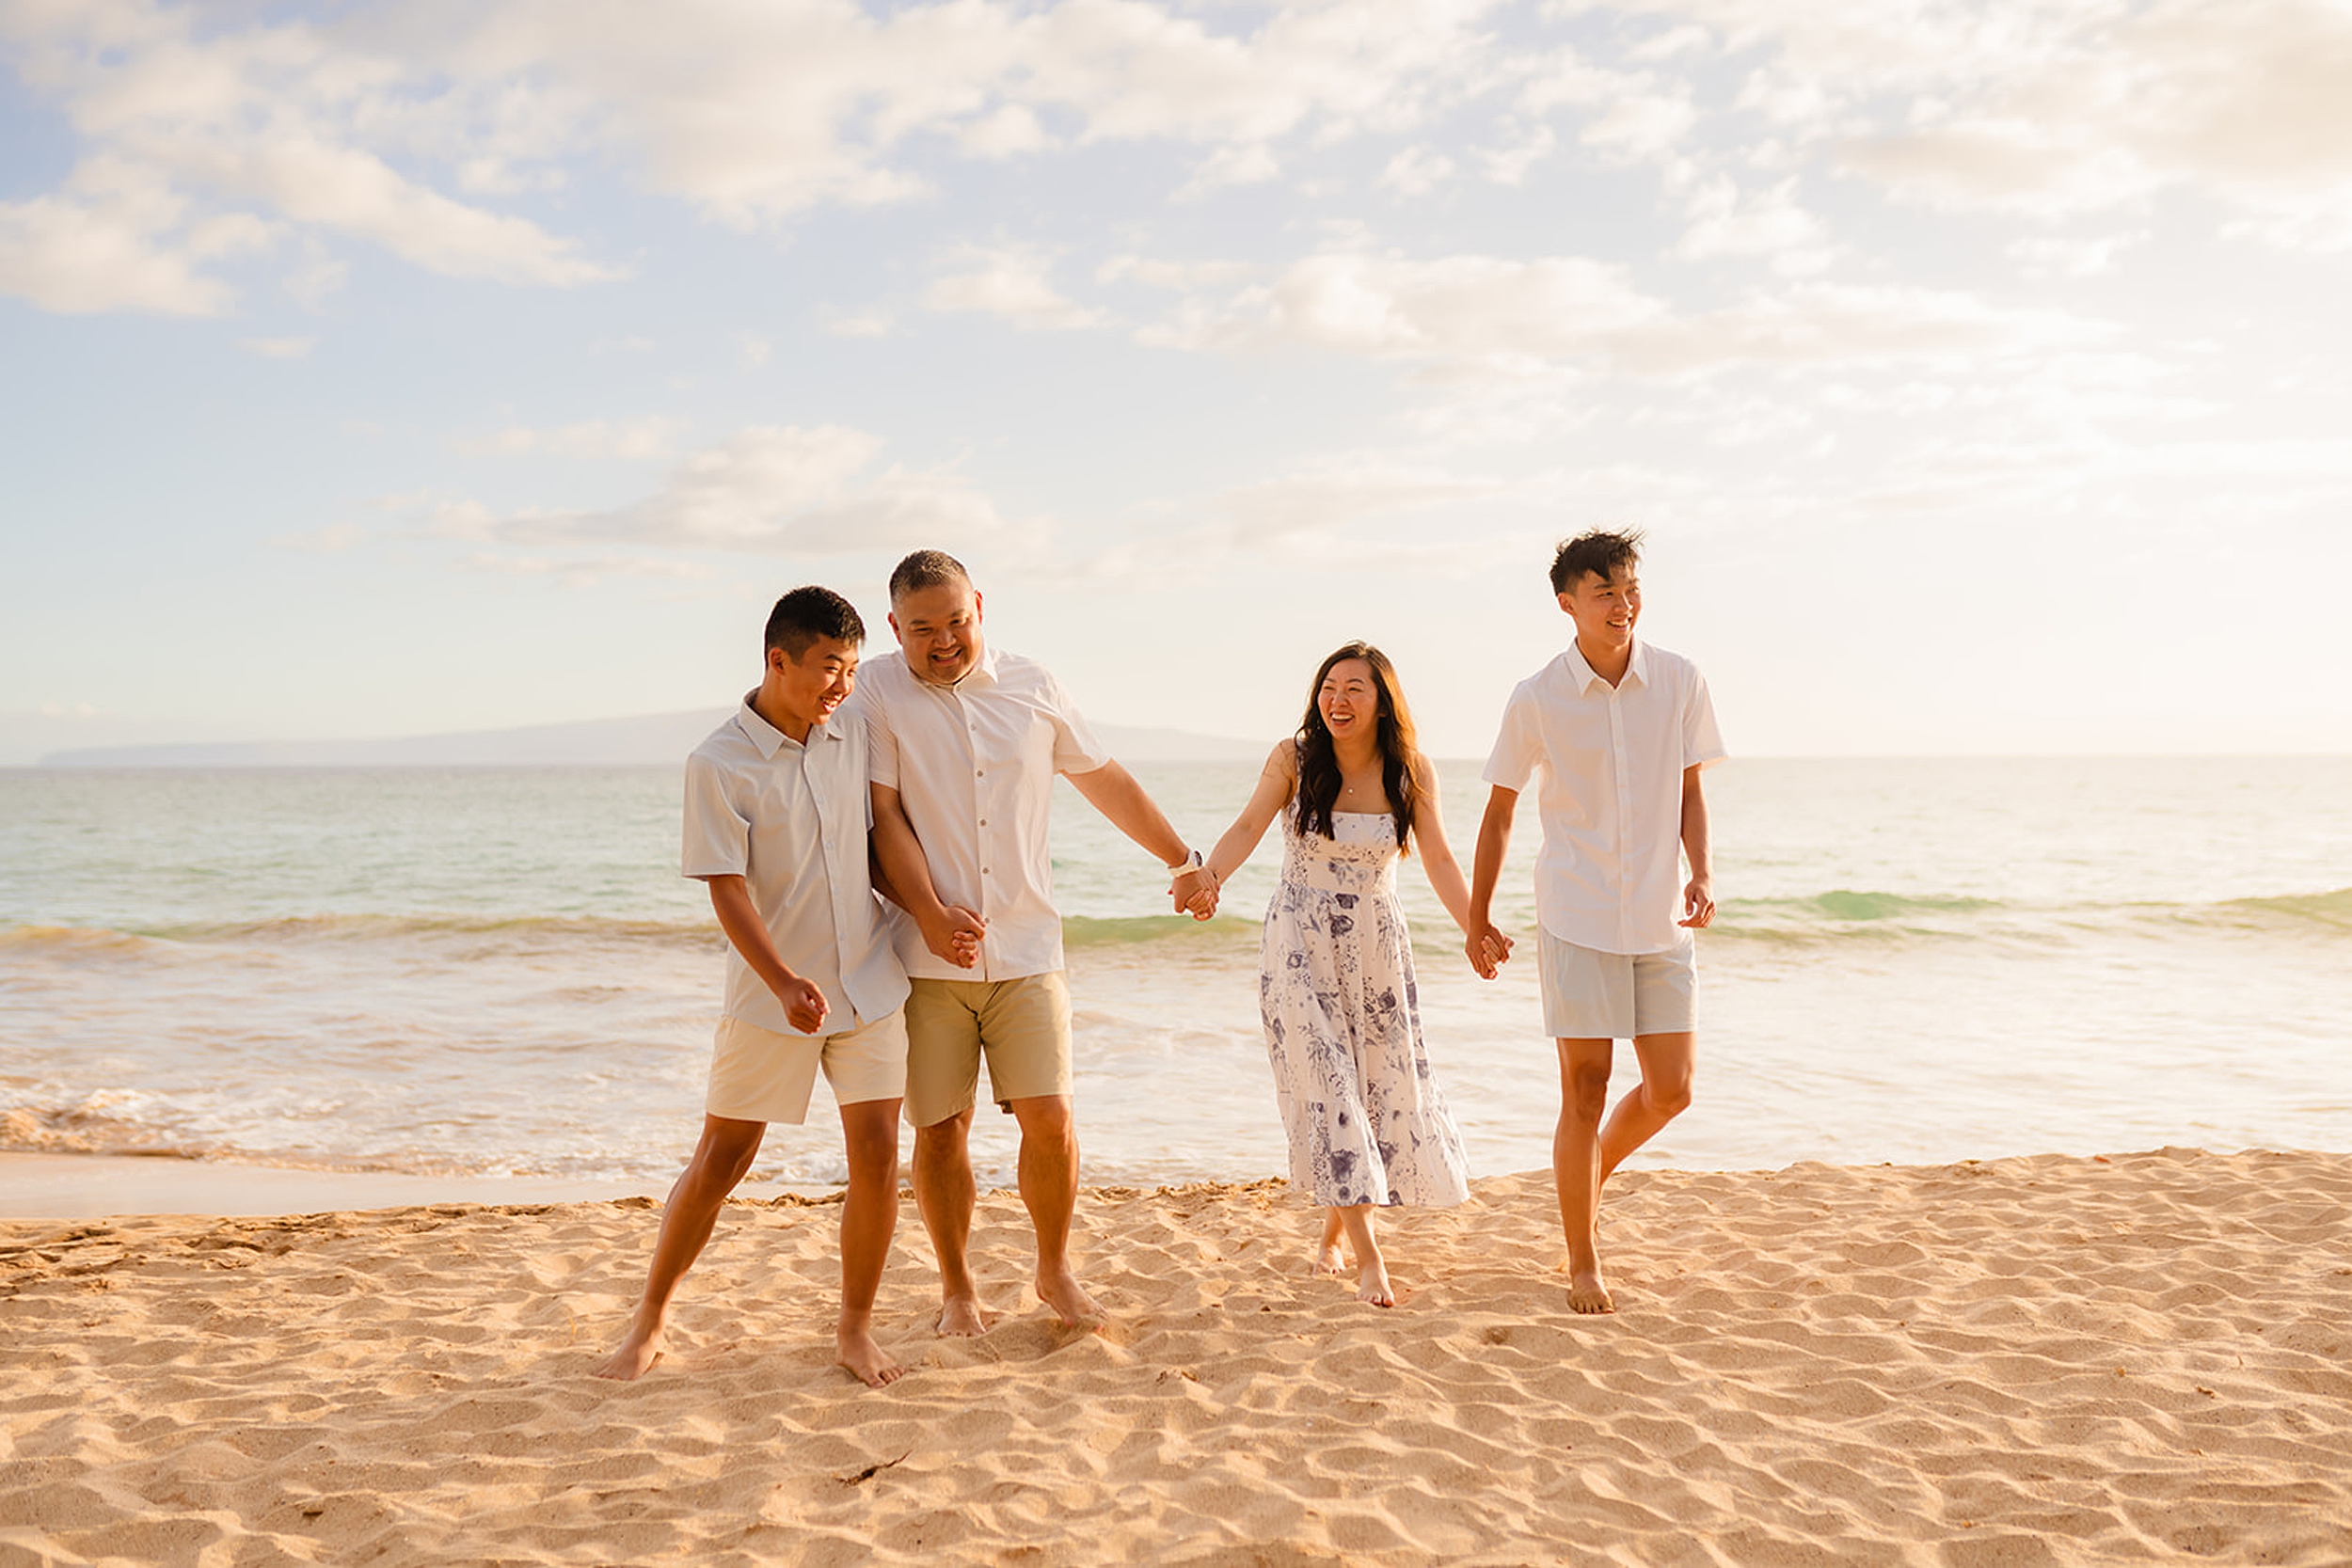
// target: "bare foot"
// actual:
[[960, 1317], [636, 1356], [1330, 1260], [1069, 1300], [1372, 1285], [1586, 1294], [855, 1349]]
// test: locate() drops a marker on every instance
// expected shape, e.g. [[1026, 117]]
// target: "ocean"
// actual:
[[492, 972]]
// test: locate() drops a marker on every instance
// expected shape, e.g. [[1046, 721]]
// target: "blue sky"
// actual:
[[1978, 371]]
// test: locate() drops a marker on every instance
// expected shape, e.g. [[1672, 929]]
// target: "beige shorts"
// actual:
[[1022, 1025], [759, 1075], [1590, 995]]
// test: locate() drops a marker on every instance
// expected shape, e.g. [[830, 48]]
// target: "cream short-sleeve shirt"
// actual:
[[790, 818], [973, 763], [1609, 874]]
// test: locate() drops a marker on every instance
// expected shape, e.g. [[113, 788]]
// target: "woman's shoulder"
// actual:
[[1283, 759]]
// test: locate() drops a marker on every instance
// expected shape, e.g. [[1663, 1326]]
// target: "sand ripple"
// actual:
[[2033, 1361]]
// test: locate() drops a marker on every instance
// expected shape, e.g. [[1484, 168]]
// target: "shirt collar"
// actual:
[[1586, 677], [770, 739]]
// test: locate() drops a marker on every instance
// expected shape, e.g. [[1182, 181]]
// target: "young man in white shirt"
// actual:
[[966, 742], [777, 809], [1619, 732]]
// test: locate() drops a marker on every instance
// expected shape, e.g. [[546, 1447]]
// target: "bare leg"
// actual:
[[1372, 1270], [869, 1214], [1663, 1094], [1049, 1186], [946, 1193], [1329, 1257], [1575, 1166], [721, 1160]]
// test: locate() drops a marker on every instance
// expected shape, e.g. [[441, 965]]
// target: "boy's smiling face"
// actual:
[[1604, 609], [810, 687]]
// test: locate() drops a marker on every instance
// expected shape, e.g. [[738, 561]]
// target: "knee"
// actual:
[[1671, 1098], [1047, 1119], [940, 1138], [1588, 1094]]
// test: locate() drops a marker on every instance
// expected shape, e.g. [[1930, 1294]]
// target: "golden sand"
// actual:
[[2048, 1361]]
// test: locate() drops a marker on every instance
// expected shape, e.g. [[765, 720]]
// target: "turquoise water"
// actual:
[[500, 972]]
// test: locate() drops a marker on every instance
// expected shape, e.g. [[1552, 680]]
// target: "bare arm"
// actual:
[[1437, 856], [950, 931], [1494, 842], [1698, 897], [731, 900], [1113, 791], [1277, 783]]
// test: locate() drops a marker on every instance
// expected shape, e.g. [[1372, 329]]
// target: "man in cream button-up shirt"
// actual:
[[1618, 731], [776, 804], [966, 742]]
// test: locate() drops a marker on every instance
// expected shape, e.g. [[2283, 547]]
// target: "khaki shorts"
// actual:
[[759, 1075], [1590, 995], [1022, 1025]]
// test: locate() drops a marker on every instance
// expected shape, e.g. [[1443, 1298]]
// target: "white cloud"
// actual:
[[1726, 221], [2057, 256], [1508, 165], [280, 348], [116, 238], [1230, 165], [1009, 282], [876, 322], [1008, 130], [197, 147], [1516, 317], [765, 490], [1416, 171]]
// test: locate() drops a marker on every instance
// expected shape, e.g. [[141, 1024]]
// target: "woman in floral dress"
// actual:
[[1368, 1126]]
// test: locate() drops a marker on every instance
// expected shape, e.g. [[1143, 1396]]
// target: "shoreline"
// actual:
[[2046, 1360]]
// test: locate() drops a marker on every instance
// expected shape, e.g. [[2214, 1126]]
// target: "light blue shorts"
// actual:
[[1590, 995]]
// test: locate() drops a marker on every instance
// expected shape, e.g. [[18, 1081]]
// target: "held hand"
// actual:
[[803, 1005], [956, 935], [1489, 949], [1698, 904], [1194, 894]]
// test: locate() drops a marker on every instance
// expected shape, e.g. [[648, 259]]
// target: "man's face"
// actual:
[[939, 630], [812, 686], [1604, 609]]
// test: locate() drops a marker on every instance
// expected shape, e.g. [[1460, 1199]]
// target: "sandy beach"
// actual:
[[2048, 1361]]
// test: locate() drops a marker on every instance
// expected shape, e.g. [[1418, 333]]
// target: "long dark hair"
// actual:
[[1319, 764]]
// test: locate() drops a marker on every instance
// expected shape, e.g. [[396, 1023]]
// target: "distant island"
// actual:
[[650, 739]]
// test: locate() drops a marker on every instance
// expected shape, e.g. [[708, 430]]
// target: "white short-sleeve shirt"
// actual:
[[973, 763], [790, 818], [1609, 875]]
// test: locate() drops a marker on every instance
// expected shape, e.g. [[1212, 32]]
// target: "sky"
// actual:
[[1981, 375]]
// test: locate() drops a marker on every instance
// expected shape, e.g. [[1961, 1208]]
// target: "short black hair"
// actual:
[[1603, 552], [926, 569], [805, 614]]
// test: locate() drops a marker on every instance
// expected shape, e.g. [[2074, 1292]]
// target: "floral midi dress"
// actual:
[[1366, 1121]]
